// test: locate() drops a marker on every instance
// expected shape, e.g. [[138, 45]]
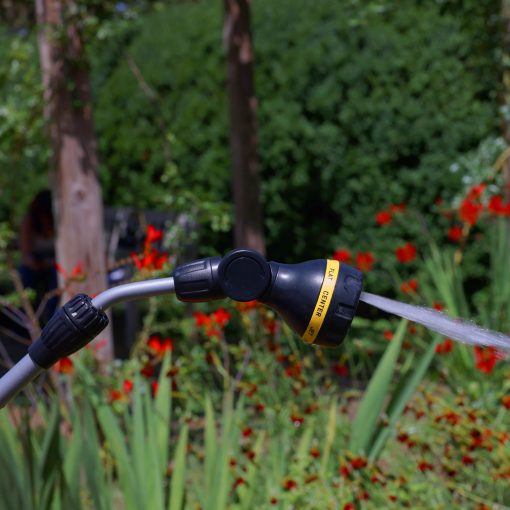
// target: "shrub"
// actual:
[[359, 105]]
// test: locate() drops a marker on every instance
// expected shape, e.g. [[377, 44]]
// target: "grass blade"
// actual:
[[366, 420], [176, 495]]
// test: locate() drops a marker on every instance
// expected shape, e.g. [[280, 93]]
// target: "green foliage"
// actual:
[[360, 105], [24, 152]]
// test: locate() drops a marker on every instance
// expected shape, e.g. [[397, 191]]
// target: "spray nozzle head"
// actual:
[[317, 299]]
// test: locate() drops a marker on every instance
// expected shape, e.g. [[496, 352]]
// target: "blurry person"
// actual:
[[37, 244]]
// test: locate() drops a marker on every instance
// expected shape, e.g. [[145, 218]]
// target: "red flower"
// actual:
[[153, 343], [363, 496], [201, 319], [438, 306], [344, 471], [294, 370], [147, 370], [403, 438], [496, 206], [65, 366], [455, 233], [247, 432], [406, 253], [467, 460], [167, 344], [115, 395], [469, 211], [476, 191], [150, 260], [239, 481], [506, 401], [388, 335], [485, 359], [342, 256], [365, 261], [273, 501], [383, 218], [340, 369], [315, 453], [289, 484], [160, 346], [297, 420], [349, 506], [221, 317], [152, 234], [424, 466], [445, 347], [397, 208], [359, 463], [77, 273], [251, 390], [409, 287], [154, 388], [128, 386]]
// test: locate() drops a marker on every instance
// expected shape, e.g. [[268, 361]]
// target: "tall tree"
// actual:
[[76, 188], [249, 232]]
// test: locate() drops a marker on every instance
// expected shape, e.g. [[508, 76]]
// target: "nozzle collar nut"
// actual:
[[244, 275]]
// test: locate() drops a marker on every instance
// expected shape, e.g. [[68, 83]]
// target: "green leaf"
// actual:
[[123, 463], [401, 397], [367, 416], [176, 495]]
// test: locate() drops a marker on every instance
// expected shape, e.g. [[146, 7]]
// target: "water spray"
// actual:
[[317, 299]]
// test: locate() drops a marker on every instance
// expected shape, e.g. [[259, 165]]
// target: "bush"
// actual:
[[358, 107]]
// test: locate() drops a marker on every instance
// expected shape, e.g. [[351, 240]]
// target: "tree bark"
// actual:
[[248, 232], [76, 189]]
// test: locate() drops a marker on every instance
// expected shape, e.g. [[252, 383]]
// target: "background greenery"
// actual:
[[361, 104]]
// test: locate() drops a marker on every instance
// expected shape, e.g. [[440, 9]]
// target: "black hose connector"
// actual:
[[71, 328], [198, 281]]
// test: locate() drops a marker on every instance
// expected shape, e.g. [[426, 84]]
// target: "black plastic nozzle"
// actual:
[[318, 298], [71, 328]]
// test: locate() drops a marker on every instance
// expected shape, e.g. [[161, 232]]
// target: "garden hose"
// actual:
[[317, 299]]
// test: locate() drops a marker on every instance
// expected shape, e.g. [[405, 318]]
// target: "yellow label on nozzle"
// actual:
[[323, 301]]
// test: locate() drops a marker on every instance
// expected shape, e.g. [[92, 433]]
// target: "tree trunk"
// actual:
[[249, 232], [76, 189]]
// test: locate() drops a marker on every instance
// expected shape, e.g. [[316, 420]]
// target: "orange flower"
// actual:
[[115, 395], [65, 366], [409, 287]]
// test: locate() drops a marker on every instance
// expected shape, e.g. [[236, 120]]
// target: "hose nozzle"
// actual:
[[317, 299]]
